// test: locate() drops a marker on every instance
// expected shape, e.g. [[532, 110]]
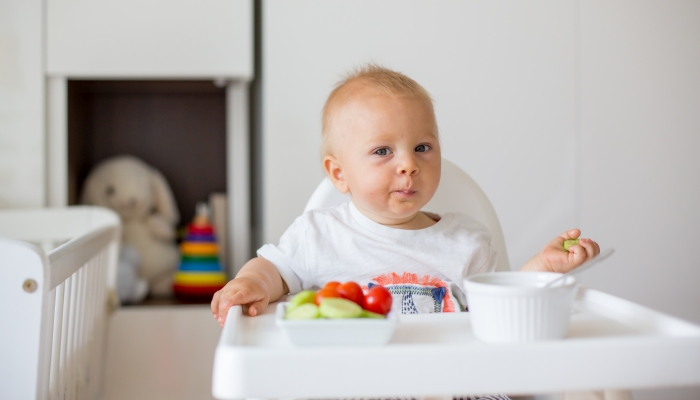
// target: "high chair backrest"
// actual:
[[457, 192]]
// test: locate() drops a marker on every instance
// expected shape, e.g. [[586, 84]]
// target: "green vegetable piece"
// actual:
[[370, 314], [305, 297], [569, 243], [340, 308], [303, 311]]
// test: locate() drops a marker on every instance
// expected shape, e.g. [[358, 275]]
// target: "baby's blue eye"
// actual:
[[382, 152], [422, 148]]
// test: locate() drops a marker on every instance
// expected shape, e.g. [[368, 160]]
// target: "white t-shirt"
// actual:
[[342, 244]]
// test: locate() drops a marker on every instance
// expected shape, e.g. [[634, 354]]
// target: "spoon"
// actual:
[[595, 260]]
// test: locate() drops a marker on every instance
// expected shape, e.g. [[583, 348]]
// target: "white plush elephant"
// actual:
[[143, 199]]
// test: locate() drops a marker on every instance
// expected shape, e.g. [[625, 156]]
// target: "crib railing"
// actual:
[[54, 306]]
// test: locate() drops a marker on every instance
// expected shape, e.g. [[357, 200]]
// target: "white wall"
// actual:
[[640, 124], [21, 104]]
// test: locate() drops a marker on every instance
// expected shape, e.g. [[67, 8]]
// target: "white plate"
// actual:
[[336, 332]]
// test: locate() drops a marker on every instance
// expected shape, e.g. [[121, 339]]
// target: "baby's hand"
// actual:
[[553, 257], [249, 291]]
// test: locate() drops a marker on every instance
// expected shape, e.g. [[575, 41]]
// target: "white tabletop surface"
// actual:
[[612, 344]]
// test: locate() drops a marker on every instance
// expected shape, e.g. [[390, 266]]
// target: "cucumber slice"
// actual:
[[370, 314], [304, 297], [340, 308], [303, 311], [569, 243]]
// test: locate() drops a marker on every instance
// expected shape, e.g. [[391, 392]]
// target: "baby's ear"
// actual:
[[335, 173]]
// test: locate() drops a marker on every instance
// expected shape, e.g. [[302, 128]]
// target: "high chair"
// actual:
[[457, 192], [612, 343]]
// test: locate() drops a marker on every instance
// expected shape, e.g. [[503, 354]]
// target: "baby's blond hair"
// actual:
[[376, 78]]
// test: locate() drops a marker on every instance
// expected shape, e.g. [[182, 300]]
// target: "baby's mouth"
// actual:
[[405, 192]]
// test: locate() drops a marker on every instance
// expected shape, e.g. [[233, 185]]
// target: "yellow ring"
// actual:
[[203, 279]]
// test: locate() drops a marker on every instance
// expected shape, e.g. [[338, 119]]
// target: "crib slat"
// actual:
[[86, 321], [56, 343], [79, 343], [92, 283], [86, 331], [62, 367], [43, 389], [72, 316], [83, 334], [100, 317], [65, 260]]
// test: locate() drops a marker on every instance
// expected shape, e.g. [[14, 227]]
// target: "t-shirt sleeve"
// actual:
[[483, 256], [289, 256], [485, 260]]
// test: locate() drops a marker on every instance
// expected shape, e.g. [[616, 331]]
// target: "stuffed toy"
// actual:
[[131, 288], [143, 199]]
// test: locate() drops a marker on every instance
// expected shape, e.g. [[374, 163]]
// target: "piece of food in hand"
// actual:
[[351, 291], [378, 300], [325, 294], [304, 311], [303, 297], [370, 314], [339, 308], [569, 243]]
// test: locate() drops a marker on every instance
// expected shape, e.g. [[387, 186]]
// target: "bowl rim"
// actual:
[[391, 319], [471, 282]]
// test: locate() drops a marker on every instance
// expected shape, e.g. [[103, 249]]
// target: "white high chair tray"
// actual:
[[612, 344]]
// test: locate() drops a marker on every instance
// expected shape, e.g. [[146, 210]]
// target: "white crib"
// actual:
[[57, 281]]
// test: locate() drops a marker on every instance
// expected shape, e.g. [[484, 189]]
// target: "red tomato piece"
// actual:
[[324, 294], [352, 291], [332, 285], [378, 300]]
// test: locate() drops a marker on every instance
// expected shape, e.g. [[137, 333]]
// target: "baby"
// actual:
[[381, 146]]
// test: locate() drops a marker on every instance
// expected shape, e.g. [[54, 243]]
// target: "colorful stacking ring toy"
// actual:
[[200, 274]]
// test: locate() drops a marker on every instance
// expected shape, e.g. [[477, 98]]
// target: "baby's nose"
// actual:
[[409, 168]]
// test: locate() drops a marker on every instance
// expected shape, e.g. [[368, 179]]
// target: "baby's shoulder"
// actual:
[[460, 223], [324, 217]]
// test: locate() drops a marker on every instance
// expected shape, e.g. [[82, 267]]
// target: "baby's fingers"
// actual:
[[215, 304], [591, 247], [238, 296], [257, 307], [577, 256], [570, 234]]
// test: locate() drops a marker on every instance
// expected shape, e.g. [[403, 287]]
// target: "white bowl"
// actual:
[[336, 332], [513, 307]]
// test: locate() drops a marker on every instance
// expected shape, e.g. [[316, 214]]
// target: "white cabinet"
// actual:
[[21, 104], [150, 39], [209, 39]]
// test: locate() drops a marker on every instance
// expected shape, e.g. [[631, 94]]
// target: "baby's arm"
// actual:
[[553, 257], [256, 284]]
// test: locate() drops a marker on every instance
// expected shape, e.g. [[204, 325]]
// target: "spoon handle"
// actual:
[[600, 257]]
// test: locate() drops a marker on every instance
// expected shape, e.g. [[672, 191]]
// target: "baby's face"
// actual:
[[389, 155]]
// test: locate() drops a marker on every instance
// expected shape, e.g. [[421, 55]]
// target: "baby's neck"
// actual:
[[419, 220]]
